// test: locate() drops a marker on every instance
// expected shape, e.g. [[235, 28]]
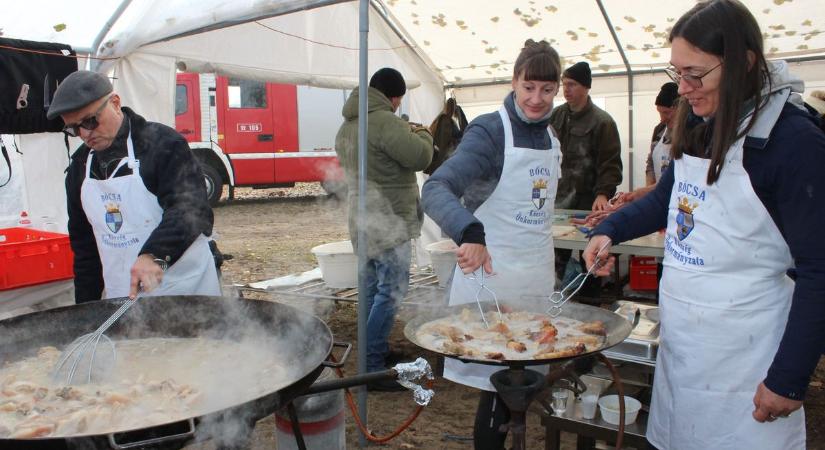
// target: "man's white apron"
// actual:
[[123, 213], [724, 301], [660, 156], [517, 220]]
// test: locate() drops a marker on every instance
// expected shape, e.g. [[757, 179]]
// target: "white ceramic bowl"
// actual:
[[609, 406]]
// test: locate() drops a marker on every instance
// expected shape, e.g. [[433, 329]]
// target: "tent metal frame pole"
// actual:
[[629, 91], [363, 312], [93, 64]]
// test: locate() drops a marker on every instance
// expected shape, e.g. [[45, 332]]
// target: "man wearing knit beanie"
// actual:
[[579, 72], [591, 163], [591, 167], [390, 82], [659, 158], [395, 151]]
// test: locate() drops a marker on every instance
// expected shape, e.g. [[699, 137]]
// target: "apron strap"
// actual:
[[508, 127], [134, 164], [130, 158]]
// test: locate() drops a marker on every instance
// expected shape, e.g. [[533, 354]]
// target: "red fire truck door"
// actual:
[[249, 134]]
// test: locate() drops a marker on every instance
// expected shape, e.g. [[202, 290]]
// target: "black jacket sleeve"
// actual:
[[171, 172], [88, 272]]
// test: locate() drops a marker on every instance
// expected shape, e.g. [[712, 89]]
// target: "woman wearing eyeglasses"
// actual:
[[742, 204]]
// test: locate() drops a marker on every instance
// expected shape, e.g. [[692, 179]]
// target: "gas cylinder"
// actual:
[[321, 418]]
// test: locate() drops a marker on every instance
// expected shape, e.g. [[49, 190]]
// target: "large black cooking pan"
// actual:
[[618, 329], [177, 316]]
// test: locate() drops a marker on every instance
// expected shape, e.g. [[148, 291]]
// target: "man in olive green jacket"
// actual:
[[591, 167], [395, 151]]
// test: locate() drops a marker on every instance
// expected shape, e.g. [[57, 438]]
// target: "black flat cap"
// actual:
[[78, 90]]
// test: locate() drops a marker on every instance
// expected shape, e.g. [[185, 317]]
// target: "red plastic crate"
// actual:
[[29, 256], [643, 273]]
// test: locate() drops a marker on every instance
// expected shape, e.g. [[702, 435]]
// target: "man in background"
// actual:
[[396, 150], [591, 166]]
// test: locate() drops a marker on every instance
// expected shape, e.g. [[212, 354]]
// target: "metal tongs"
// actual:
[[481, 288], [559, 298]]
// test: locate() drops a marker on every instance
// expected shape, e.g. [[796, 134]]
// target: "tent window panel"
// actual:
[[246, 93], [181, 99]]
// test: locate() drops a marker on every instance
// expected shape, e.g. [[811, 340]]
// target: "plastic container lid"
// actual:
[[333, 248]]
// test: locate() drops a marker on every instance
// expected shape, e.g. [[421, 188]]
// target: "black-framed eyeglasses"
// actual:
[[89, 123], [695, 81]]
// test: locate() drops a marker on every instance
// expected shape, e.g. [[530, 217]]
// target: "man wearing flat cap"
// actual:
[[396, 150], [591, 166], [138, 212]]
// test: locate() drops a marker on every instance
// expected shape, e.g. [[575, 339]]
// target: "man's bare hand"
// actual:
[[146, 275], [601, 203]]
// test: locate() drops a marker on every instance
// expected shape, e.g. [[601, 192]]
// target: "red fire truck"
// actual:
[[258, 134]]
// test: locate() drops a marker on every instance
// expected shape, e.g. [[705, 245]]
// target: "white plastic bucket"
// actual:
[[321, 418], [338, 263], [442, 255], [609, 406]]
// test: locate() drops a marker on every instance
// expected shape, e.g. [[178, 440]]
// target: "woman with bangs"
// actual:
[[494, 197], [742, 295]]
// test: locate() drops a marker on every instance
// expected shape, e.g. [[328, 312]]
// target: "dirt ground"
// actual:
[[269, 233]]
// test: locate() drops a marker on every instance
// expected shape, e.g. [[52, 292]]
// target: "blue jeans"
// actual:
[[387, 278]]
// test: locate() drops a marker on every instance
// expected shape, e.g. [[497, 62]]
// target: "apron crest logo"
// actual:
[[684, 218], [114, 219], [539, 194]]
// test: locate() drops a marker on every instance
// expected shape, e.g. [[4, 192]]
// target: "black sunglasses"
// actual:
[[89, 123]]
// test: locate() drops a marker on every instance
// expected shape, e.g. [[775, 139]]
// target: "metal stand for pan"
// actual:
[[518, 387]]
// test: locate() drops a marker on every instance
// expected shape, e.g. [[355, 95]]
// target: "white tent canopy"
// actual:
[[463, 41], [465, 46]]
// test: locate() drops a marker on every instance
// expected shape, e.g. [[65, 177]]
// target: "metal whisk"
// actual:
[[559, 298], [74, 355], [481, 288]]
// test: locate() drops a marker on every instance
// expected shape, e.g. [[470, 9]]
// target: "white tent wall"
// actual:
[[12, 195], [44, 163], [37, 182], [146, 83], [298, 48], [38, 178], [613, 93]]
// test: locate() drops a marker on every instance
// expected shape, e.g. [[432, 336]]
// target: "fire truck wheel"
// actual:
[[214, 184]]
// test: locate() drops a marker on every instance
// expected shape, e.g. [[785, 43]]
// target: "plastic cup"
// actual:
[[589, 402], [560, 396]]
